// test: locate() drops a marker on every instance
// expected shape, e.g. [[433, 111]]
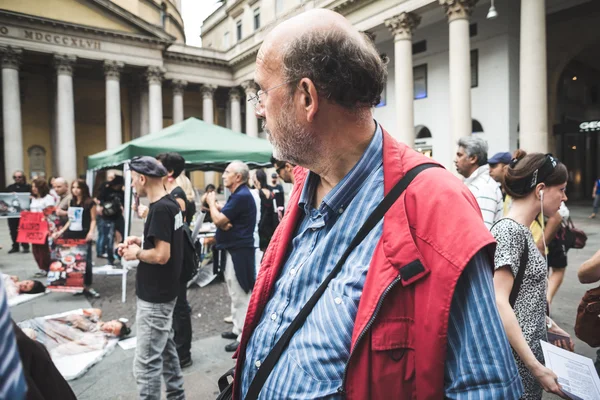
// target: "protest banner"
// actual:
[[11, 204], [33, 228], [68, 265]]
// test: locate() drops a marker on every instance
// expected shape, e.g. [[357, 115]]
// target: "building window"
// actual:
[[238, 30], [472, 30], [163, 15], [278, 6], [226, 40], [420, 81], [419, 47], [474, 68], [256, 19]]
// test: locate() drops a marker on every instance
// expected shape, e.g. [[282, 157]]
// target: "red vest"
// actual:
[[429, 235]]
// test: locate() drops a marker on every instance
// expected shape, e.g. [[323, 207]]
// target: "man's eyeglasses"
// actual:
[[18, 177], [255, 100]]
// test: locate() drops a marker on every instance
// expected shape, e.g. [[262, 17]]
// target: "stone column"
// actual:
[[251, 122], [144, 108], [11, 112], [458, 12], [178, 90], [533, 95], [236, 110], [208, 110], [154, 75], [66, 154], [402, 27], [112, 73]]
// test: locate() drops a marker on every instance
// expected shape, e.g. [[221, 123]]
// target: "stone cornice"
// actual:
[[175, 56], [133, 19], [64, 64], [346, 6], [458, 9], [403, 25], [14, 16], [112, 69], [11, 57]]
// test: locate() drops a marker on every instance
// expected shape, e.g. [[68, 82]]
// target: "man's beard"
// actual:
[[294, 143]]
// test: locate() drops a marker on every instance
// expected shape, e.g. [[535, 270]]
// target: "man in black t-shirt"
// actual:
[[157, 282], [20, 186], [112, 199]]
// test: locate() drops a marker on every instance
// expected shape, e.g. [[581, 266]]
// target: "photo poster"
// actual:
[[68, 265], [11, 204], [33, 228]]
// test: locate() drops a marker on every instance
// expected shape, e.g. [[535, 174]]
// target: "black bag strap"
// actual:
[[271, 360], [514, 293]]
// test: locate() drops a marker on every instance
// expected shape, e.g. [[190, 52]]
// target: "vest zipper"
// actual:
[[342, 389]]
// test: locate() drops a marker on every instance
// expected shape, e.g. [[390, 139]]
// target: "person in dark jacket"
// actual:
[[20, 186]]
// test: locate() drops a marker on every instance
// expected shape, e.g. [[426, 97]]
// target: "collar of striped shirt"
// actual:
[[477, 173], [336, 201]]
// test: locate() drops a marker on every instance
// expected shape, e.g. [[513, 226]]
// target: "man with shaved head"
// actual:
[[235, 253], [411, 313], [61, 187]]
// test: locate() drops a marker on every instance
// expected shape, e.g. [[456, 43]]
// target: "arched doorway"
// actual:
[[423, 140]]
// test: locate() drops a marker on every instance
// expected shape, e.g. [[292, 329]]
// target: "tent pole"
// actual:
[[90, 177], [127, 215]]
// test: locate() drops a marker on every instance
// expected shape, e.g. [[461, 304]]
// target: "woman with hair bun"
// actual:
[[536, 182]]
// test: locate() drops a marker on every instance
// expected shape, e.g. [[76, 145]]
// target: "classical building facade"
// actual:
[[80, 76]]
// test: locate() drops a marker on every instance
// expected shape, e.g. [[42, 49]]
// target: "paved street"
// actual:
[[112, 378]]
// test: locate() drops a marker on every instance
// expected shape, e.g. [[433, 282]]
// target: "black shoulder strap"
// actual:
[[514, 293], [373, 219]]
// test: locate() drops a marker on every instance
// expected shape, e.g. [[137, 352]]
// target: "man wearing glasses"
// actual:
[[20, 186]]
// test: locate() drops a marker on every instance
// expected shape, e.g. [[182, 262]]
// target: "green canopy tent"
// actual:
[[204, 146]]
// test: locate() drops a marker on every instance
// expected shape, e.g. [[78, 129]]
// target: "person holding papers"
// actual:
[[535, 181]]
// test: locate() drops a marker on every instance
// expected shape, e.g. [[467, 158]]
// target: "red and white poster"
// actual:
[[68, 265], [33, 228]]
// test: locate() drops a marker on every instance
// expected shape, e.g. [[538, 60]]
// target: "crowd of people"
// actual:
[[435, 296]]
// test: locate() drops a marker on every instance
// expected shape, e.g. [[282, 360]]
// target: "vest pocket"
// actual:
[[393, 358]]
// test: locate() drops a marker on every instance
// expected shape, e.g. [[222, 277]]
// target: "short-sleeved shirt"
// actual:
[[39, 204], [488, 194], [240, 210], [82, 219], [530, 306], [157, 283]]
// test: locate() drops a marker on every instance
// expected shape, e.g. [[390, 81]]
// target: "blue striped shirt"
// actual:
[[313, 364], [12, 382]]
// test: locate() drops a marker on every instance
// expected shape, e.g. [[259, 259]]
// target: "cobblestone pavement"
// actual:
[[111, 378]]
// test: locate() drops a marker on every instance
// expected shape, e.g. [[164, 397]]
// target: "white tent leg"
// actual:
[[127, 215]]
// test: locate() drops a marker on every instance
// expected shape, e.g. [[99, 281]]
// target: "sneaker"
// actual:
[[228, 320], [231, 347], [91, 293], [13, 250], [229, 335], [40, 274], [186, 362]]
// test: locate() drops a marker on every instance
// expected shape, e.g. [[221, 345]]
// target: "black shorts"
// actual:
[[557, 254]]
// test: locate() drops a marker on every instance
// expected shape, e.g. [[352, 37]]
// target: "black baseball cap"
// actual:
[[148, 166]]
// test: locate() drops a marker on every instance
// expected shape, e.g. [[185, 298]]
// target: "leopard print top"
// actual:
[[530, 306]]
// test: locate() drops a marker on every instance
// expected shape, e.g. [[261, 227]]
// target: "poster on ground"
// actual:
[[33, 228], [11, 204], [68, 265]]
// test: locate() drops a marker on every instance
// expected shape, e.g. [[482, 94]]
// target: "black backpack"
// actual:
[[190, 256]]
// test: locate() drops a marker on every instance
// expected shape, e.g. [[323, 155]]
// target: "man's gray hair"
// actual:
[[239, 167], [475, 146]]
